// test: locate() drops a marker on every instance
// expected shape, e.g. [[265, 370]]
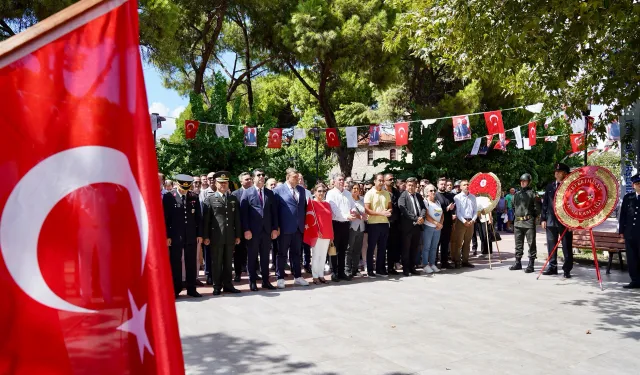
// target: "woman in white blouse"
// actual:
[[432, 229]]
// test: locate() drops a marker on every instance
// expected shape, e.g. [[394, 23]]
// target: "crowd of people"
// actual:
[[372, 229]]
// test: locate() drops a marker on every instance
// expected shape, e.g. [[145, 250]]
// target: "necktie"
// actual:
[[183, 200], [415, 205], [261, 199], [295, 196]]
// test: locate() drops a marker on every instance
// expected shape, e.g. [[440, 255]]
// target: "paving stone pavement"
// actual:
[[470, 321]]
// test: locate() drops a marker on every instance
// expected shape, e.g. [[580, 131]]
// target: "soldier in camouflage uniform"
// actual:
[[526, 211], [222, 232]]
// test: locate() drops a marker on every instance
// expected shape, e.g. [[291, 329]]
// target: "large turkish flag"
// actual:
[[84, 271]]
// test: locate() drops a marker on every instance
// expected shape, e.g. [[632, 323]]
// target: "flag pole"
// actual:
[[52, 28], [595, 257]]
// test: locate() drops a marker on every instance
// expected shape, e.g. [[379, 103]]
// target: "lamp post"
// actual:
[[316, 135], [586, 114]]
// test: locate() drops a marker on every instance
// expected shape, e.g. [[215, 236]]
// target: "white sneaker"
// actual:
[[427, 269], [435, 269], [300, 281], [281, 284]]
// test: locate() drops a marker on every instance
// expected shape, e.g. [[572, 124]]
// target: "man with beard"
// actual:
[[393, 247], [445, 198]]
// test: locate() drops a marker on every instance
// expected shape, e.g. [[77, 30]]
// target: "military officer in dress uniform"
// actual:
[[526, 211], [629, 220], [222, 231], [554, 228], [183, 220]]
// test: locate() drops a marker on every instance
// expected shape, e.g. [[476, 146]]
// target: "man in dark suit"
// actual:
[[394, 242], [292, 207], [554, 228], [240, 255], [183, 221], [260, 225], [412, 214], [222, 230], [448, 209], [629, 229]]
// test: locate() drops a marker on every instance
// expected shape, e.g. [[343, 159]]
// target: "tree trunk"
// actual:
[[247, 65], [209, 45]]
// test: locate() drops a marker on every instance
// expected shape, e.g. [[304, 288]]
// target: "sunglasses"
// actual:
[[259, 174], [319, 191], [431, 191], [210, 178]]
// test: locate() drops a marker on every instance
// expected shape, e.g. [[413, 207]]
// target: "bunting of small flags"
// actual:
[[191, 129]]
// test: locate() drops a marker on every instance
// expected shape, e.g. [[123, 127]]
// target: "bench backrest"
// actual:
[[604, 240]]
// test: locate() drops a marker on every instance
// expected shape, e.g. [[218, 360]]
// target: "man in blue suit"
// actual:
[[260, 225], [292, 207]]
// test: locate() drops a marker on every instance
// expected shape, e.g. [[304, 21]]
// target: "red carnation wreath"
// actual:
[[487, 186]]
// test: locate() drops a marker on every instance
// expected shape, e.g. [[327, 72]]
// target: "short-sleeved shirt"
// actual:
[[379, 201], [509, 200]]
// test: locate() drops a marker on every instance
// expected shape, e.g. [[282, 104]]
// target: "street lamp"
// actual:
[[316, 135], [586, 114]]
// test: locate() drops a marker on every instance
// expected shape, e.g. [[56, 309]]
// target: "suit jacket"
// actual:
[[629, 217], [183, 221], [395, 211], [238, 193], [548, 214], [290, 213], [408, 214], [222, 220], [445, 200], [254, 216]]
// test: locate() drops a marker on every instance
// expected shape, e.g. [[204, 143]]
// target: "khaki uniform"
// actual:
[[222, 227]]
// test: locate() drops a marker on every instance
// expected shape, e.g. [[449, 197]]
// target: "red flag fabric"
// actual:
[[489, 139], [402, 133], [502, 145], [577, 142], [317, 222], [84, 266], [191, 128], [590, 123], [333, 138], [494, 123], [275, 138], [533, 133]]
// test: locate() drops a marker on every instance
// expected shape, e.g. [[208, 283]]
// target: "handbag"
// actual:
[[332, 249]]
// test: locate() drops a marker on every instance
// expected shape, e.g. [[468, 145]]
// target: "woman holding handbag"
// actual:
[[318, 231]]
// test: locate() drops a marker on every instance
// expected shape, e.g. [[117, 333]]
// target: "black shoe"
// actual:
[[458, 266], [468, 265], [550, 271], [267, 285], [393, 272], [447, 265], [406, 273], [371, 274], [632, 286], [415, 272], [237, 279], [335, 278], [216, 292], [209, 280], [345, 277], [475, 252], [307, 269], [194, 293], [199, 283], [567, 275], [253, 287], [516, 266], [273, 268], [530, 269], [230, 289]]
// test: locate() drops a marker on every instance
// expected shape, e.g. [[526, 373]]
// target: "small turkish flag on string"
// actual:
[[402, 132], [532, 133], [577, 142], [494, 123], [191, 128], [84, 262], [275, 138], [333, 137], [489, 139]]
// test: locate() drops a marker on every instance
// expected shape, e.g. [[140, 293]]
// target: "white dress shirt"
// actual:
[[466, 207], [340, 205]]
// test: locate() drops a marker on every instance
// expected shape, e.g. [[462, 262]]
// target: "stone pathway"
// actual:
[[466, 321]]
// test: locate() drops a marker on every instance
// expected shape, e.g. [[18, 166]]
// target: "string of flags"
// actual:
[[460, 123]]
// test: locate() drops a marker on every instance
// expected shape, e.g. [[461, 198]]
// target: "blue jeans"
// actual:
[[430, 239]]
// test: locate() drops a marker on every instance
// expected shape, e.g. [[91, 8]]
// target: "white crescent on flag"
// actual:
[[66, 171]]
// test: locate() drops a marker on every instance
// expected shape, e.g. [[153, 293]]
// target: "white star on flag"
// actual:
[[136, 326]]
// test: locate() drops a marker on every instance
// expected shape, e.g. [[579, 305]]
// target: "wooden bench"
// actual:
[[608, 241]]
